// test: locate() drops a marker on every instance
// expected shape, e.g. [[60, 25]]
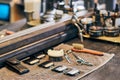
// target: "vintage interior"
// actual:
[[28, 27]]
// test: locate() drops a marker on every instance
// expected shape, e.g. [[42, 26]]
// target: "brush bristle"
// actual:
[[78, 46]]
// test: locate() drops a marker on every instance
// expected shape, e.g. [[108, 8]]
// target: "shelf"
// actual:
[[104, 38]]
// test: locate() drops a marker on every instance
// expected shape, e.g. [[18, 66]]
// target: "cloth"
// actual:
[[38, 73]]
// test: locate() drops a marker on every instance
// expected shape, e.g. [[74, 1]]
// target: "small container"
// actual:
[[55, 59], [55, 55], [96, 31], [111, 31]]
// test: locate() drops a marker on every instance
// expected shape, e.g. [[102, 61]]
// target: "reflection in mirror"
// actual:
[[47, 11]]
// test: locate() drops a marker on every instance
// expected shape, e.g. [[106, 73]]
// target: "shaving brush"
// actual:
[[80, 48]]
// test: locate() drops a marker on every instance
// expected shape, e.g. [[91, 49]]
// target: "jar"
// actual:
[[111, 31], [96, 31]]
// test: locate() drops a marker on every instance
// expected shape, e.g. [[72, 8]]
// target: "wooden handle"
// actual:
[[89, 51]]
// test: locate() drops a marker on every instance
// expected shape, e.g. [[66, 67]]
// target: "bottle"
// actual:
[[108, 20], [68, 6], [102, 19], [95, 8], [116, 11], [94, 12], [71, 6], [98, 18], [116, 16]]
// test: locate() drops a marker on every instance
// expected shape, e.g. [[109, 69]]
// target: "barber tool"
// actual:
[[39, 56], [46, 64], [55, 55], [32, 61], [67, 58], [80, 48], [59, 69], [81, 61], [80, 32], [79, 27], [14, 65], [72, 72]]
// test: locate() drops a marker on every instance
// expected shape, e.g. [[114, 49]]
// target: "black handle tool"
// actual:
[[15, 65]]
